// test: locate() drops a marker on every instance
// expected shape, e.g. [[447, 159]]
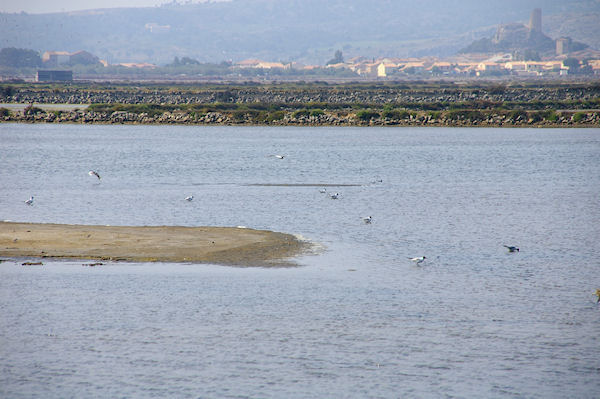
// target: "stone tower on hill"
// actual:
[[535, 21]]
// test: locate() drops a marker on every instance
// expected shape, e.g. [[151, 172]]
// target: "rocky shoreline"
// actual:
[[486, 119], [296, 94], [426, 104]]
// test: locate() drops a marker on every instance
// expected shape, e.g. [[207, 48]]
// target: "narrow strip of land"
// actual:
[[443, 104], [215, 245]]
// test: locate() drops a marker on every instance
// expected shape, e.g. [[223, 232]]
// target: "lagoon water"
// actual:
[[355, 319]]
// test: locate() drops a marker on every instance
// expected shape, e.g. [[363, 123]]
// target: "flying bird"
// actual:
[[94, 173], [418, 260], [29, 201], [511, 248]]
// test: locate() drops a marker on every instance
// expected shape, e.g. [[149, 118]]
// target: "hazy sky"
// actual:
[[44, 6]]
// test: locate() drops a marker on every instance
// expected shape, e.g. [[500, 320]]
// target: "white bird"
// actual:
[[190, 198], [29, 201], [418, 260], [368, 219], [94, 173], [279, 156], [511, 248], [334, 196], [323, 191]]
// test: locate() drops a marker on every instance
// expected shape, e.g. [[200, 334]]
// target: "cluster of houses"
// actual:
[[389, 67], [502, 64], [57, 59], [64, 58], [56, 63]]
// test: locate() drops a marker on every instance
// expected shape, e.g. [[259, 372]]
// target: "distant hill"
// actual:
[[519, 39], [301, 30], [582, 27]]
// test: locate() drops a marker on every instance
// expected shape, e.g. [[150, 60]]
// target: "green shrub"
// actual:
[[239, 116], [4, 112], [396, 114], [514, 115], [367, 115], [316, 112], [548, 115], [579, 116], [260, 116], [301, 113], [275, 116]]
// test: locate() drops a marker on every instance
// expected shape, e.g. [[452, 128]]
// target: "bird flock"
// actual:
[[334, 196], [418, 260]]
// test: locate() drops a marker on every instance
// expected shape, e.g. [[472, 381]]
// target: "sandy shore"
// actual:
[[218, 245]]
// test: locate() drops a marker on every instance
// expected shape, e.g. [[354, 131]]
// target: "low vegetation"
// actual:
[[412, 103]]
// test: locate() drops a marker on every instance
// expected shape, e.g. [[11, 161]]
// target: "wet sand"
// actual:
[[215, 245]]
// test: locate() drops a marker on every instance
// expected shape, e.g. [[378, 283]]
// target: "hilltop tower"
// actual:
[[563, 45], [535, 21]]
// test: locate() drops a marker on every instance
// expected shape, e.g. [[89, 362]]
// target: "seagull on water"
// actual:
[[511, 248], [29, 201], [323, 191], [368, 219], [94, 173], [334, 196], [189, 198], [418, 260], [279, 156]]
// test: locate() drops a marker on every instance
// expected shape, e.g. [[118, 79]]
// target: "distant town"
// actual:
[[56, 67], [515, 51]]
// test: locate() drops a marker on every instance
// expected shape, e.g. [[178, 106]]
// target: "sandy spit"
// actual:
[[215, 245]]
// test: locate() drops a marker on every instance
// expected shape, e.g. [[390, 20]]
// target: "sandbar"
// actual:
[[215, 245]]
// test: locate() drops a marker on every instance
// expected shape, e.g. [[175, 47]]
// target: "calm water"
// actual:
[[356, 319]]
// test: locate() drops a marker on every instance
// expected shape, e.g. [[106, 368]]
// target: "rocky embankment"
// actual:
[[361, 94], [310, 105], [560, 119]]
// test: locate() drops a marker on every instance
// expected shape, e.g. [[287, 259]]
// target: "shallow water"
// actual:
[[357, 318]]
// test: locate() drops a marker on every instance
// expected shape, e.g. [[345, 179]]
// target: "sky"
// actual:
[[47, 6]]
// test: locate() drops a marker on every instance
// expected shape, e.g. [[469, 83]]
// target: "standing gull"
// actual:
[[94, 173], [418, 260]]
